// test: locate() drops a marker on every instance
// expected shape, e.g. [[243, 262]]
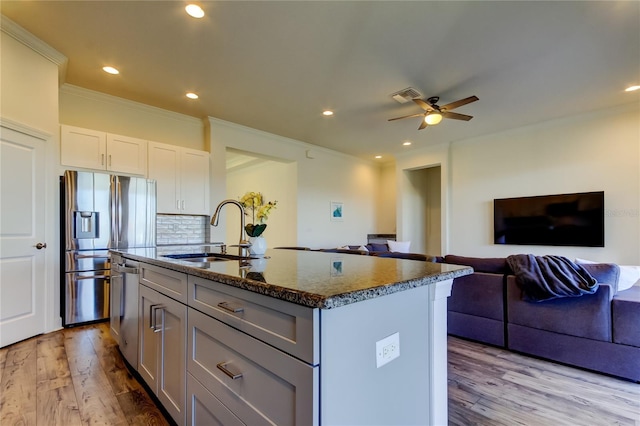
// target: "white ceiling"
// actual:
[[275, 66]]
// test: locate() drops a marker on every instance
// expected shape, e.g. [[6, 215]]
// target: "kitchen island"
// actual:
[[294, 337]]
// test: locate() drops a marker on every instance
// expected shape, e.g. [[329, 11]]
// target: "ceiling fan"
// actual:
[[434, 113]]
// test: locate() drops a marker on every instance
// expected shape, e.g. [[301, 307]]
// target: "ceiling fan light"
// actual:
[[433, 118]]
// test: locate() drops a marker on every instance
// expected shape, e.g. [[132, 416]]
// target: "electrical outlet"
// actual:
[[387, 349]]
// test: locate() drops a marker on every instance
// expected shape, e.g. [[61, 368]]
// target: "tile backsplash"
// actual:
[[182, 229]]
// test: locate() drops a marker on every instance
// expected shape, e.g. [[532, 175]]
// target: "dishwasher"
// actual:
[[125, 276]]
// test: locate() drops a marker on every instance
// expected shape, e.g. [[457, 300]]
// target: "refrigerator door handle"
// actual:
[[92, 256], [92, 277]]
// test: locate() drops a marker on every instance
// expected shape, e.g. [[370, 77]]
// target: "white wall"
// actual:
[[329, 176], [29, 97], [592, 152], [98, 111]]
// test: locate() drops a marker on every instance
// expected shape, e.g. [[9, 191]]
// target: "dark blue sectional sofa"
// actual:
[[599, 332]]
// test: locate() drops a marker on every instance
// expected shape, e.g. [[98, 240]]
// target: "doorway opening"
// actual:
[[424, 202], [277, 180]]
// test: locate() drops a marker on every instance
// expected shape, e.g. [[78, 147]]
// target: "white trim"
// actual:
[[70, 89], [290, 141], [23, 128], [34, 43]]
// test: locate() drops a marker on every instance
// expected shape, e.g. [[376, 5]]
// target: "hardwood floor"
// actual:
[[77, 377], [70, 377], [490, 386]]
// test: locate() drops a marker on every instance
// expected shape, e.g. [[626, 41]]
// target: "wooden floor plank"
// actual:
[[56, 399], [96, 401], [18, 388], [111, 360], [140, 410], [533, 391]]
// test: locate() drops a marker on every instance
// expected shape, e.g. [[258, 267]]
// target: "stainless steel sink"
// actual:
[[207, 257]]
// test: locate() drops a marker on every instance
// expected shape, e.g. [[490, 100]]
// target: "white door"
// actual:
[[22, 265]]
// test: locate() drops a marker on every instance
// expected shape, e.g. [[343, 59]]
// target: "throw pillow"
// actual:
[[399, 246], [629, 274]]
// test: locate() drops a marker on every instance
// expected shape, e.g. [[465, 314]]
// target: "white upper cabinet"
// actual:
[[126, 155], [92, 149], [182, 176]]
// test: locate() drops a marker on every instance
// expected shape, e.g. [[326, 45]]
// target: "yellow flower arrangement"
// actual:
[[254, 201]]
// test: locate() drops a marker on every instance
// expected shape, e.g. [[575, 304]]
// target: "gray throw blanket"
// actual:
[[549, 277]]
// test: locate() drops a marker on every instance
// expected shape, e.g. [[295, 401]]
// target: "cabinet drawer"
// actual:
[[287, 326], [168, 282], [206, 409], [269, 387]]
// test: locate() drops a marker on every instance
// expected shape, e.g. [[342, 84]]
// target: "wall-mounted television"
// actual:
[[550, 220]]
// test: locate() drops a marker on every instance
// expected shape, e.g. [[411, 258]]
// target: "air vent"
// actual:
[[406, 95]]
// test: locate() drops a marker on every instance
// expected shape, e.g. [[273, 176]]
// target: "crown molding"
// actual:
[[72, 90], [34, 43]]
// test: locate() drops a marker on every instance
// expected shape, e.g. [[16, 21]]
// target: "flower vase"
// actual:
[[258, 245]]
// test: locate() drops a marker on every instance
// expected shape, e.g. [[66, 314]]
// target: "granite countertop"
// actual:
[[308, 278]]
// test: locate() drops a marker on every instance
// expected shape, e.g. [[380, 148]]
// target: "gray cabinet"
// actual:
[[123, 309], [256, 382], [115, 299], [162, 350]]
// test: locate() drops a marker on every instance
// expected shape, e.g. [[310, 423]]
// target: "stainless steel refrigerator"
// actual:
[[99, 212]]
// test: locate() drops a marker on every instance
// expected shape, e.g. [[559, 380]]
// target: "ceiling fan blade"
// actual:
[[424, 105], [456, 116], [407, 116], [422, 125], [456, 104]]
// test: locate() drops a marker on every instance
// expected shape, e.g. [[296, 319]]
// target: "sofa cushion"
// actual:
[[377, 247], [626, 317], [587, 316], [479, 294], [629, 274], [495, 265], [608, 273], [399, 246]]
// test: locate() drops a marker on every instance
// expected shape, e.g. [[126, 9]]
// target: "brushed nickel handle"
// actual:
[[40, 246], [223, 367], [152, 316], [228, 308]]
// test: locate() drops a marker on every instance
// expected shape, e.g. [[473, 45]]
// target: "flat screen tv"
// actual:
[[550, 220]]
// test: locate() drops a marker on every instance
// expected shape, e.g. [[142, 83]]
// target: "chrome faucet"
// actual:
[[243, 244]]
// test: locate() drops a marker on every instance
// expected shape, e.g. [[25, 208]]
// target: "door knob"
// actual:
[[40, 246]]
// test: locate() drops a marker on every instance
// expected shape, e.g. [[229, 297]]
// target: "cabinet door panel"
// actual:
[[274, 388], [172, 357], [126, 155], [206, 409], [116, 302], [148, 344], [164, 167], [82, 148], [194, 184]]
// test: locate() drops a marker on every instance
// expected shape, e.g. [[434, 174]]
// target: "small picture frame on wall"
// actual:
[[337, 212]]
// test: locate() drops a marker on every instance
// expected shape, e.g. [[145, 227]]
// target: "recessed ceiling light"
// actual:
[[327, 113], [632, 88], [194, 10], [110, 70], [378, 157], [191, 95], [406, 143]]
